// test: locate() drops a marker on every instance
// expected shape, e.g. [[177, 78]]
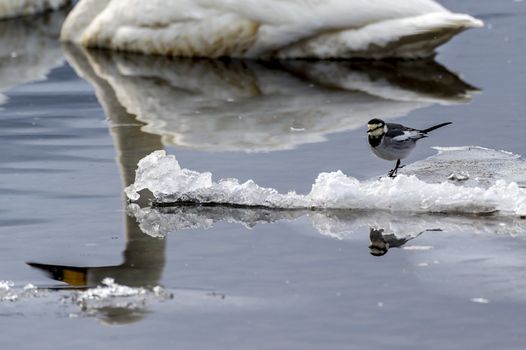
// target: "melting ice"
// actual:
[[421, 191]]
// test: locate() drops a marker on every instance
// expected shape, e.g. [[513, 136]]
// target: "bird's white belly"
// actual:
[[389, 153]]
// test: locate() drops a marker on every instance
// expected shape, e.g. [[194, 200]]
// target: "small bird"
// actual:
[[391, 141]]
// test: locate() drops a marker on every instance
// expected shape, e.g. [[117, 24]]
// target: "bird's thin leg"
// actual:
[[392, 172]]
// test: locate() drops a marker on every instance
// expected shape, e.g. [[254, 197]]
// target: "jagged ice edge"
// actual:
[[164, 177]]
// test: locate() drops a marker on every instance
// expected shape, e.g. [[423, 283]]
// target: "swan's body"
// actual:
[[273, 28], [15, 8]]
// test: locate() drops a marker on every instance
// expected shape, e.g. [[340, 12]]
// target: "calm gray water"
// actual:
[[74, 123]]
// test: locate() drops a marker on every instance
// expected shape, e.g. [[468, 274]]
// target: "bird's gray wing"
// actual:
[[404, 134]]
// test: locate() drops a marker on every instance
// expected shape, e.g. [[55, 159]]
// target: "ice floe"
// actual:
[[474, 166], [163, 176]]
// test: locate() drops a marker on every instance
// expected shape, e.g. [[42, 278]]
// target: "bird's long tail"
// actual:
[[435, 127]]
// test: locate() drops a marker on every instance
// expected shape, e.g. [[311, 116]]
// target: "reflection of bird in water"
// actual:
[[261, 29], [391, 141], [380, 242]]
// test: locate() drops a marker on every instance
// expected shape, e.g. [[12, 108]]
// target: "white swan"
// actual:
[[271, 28], [15, 8]]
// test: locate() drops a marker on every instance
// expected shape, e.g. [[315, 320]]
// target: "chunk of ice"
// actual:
[[473, 165], [169, 183]]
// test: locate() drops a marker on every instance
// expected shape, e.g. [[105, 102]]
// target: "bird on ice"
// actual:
[[391, 141]]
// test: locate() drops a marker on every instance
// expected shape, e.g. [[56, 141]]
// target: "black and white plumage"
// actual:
[[391, 141]]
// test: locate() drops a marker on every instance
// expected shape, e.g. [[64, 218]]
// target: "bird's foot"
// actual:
[[393, 172]]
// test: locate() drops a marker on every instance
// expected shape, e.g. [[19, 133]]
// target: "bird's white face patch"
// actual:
[[376, 129]]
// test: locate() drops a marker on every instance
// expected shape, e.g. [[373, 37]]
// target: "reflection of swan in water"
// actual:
[[273, 28], [29, 49], [256, 106], [15, 8], [144, 256]]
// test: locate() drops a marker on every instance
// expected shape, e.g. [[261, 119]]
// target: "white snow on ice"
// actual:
[[163, 176]]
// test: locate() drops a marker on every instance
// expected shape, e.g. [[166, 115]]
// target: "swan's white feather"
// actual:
[[250, 28]]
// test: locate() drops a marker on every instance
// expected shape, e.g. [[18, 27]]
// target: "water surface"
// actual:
[[75, 123]]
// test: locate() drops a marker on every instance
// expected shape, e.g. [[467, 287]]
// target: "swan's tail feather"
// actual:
[[410, 37]]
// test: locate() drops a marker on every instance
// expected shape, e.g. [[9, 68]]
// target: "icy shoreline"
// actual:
[[169, 183]]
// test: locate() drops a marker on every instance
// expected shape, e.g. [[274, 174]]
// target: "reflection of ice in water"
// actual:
[[339, 224], [29, 49], [163, 176], [118, 304], [255, 106]]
